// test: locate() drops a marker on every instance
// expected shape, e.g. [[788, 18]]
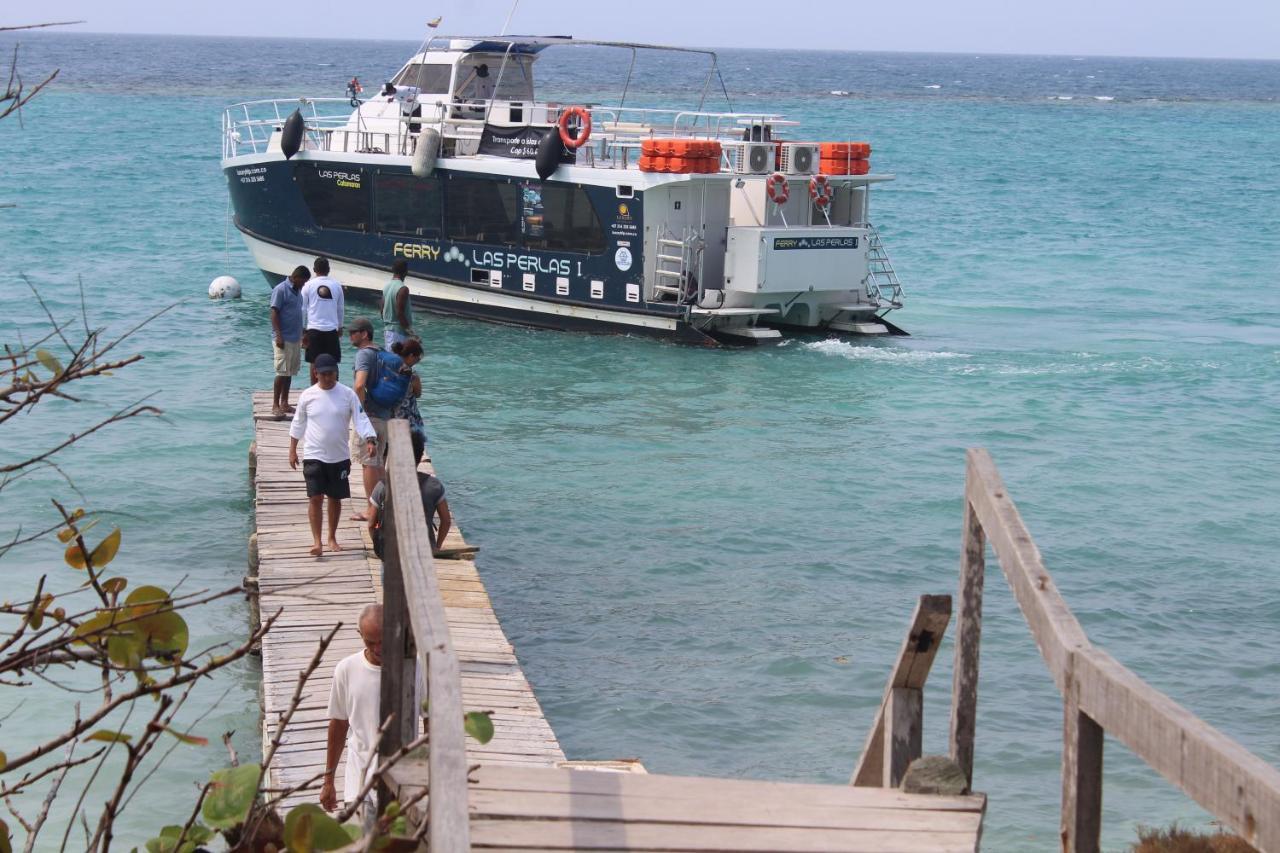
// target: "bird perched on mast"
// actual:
[[436, 22]]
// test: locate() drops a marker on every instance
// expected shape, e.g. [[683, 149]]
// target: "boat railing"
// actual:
[[248, 127]]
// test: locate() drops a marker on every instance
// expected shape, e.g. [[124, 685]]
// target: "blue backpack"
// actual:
[[389, 382]]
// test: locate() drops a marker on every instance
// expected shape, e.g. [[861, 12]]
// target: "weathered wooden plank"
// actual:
[[903, 718], [408, 535], [495, 777], [1240, 789], [964, 674], [915, 658]]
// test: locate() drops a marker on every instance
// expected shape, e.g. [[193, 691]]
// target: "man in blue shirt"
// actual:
[[366, 373], [286, 331]]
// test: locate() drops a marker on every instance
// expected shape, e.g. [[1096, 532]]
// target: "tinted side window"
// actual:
[[407, 205], [482, 211], [430, 79], [337, 197], [560, 217]]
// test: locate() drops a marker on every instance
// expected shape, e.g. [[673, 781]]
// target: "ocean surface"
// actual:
[[707, 559]]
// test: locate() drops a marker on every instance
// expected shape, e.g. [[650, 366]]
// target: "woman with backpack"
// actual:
[[381, 385], [410, 352]]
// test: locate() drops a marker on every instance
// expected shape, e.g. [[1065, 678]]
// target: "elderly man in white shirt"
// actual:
[[324, 310], [323, 413], [354, 697]]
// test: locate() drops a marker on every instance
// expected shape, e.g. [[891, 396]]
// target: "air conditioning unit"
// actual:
[[750, 158], [799, 158]]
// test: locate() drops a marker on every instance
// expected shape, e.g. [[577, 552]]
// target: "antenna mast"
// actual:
[[514, 4]]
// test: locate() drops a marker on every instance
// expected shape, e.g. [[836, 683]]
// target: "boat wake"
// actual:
[[855, 352]]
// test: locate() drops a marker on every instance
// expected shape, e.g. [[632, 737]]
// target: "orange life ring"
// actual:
[[776, 187], [820, 190], [584, 132]]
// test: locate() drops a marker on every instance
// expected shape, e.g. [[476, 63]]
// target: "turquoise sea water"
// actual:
[[707, 558]]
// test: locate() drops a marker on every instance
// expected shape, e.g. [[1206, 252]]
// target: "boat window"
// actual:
[[483, 211], [430, 79], [478, 79], [560, 217], [407, 205], [336, 197]]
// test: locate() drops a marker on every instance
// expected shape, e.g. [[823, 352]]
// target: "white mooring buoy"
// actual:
[[224, 287]]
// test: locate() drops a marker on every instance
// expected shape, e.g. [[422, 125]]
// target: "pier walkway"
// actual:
[[517, 791], [315, 594]]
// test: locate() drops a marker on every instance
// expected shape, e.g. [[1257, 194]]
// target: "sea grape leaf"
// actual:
[[307, 827], [479, 725], [6, 846], [166, 634], [110, 736], [231, 793], [148, 598], [4, 760], [126, 649], [194, 740], [167, 841], [114, 586], [107, 549], [66, 534], [99, 627], [50, 361], [74, 556]]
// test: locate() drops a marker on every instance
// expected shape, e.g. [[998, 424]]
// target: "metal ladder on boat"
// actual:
[[883, 286], [672, 270]]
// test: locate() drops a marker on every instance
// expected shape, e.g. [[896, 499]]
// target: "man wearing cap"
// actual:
[[361, 335], [320, 422]]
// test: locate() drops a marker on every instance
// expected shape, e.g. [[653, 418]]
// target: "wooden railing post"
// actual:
[[1081, 776], [398, 651], [964, 677]]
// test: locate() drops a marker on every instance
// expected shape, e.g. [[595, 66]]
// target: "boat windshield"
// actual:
[[478, 79], [429, 79]]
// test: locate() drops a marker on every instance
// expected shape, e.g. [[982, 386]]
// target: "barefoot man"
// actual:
[[324, 411]]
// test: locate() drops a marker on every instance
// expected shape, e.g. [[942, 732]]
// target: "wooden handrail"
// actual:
[[1099, 694], [414, 630]]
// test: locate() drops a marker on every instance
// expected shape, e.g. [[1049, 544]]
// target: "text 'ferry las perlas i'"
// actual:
[[693, 225]]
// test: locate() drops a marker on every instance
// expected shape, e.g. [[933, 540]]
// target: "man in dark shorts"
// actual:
[[324, 411], [324, 309]]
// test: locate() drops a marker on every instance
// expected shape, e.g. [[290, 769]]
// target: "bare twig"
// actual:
[[391, 761], [67, 764], [226, 738], [38, 26], [28, 781], [82, 726]]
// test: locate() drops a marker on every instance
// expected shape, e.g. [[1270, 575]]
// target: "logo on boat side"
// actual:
[[780, 243], [622, 258], [416, 250], [624, 212], [525, 263]]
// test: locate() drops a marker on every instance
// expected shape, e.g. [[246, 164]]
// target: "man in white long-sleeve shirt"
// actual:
[[323, 413]]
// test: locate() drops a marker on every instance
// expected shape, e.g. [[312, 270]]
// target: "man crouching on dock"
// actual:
[[324, 411]]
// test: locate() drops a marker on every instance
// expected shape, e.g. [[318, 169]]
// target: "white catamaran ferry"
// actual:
[[694, 225]]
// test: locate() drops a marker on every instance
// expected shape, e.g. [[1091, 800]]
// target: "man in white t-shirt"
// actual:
[[324, 410], [324, 310], [354, 698]]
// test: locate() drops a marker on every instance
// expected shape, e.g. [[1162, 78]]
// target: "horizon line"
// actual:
[[974, 53]]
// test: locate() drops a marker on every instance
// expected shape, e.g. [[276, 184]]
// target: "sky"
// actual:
[[1244, 29]]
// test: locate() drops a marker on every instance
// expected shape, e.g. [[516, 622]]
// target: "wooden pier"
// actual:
[[315, 594], [517, 792]]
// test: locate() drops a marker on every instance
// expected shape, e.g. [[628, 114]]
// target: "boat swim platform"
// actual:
[[522, 792]]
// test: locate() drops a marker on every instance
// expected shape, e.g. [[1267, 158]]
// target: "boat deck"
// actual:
[[314, 594]]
